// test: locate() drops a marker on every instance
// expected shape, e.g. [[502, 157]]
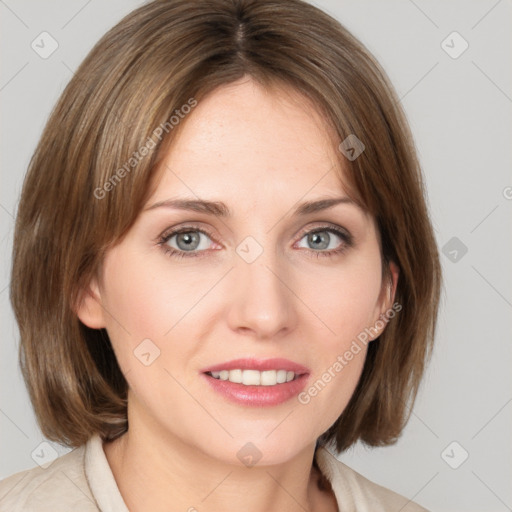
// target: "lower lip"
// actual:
[[258, 396]]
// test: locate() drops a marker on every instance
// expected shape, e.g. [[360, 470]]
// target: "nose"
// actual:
[[262, 304]]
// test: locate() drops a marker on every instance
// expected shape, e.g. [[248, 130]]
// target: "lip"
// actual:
[[258, 396], [259, 364]]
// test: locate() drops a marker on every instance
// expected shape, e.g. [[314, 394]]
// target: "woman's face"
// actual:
[[259, 283]]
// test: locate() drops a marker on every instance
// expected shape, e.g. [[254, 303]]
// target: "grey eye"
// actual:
[[321, 240], [188, 241]]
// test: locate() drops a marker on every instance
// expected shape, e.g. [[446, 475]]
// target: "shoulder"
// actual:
[[365, 495], [61, 486]]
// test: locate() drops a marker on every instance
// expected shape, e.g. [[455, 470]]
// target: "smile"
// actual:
[[255, 377]]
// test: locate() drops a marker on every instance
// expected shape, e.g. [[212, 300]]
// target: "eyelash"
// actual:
[[171, 252]]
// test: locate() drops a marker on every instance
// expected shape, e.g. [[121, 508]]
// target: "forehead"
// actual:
[[246, 140]]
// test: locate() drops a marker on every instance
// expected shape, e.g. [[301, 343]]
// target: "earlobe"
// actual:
[[394, 272], [89, 309], [386, 299]]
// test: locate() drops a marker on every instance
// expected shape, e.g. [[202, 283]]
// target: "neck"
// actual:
[[158, 472]]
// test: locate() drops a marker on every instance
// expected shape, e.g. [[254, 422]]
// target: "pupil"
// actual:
[[189, 239], [323, 239]]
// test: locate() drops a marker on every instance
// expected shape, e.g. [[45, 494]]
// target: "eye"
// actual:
[[322, 239], [185, 242]]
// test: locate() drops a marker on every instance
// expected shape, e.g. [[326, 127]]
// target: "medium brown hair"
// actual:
[[145, 68]]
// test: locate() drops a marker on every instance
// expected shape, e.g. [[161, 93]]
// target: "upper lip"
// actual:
[[258, 364]]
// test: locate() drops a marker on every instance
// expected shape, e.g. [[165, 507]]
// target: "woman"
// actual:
[[179, 326]]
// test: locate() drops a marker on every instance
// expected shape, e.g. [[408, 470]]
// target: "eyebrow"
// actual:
[[220, 209]]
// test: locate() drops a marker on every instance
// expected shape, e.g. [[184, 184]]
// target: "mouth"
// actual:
[[257, 382], [255, 377]]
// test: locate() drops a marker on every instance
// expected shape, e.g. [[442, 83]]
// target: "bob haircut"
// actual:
[[76, 202]]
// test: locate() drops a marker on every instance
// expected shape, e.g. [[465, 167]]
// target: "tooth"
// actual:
[[235, 376], [251, 377], [281, 376], [268, 378], [255, 377]]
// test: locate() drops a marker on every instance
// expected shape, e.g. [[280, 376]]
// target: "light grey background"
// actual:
[[460, 113]]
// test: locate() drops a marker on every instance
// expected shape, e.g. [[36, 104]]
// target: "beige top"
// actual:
[[82, 481]]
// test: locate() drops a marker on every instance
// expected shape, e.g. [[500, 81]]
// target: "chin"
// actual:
[[256, 447]]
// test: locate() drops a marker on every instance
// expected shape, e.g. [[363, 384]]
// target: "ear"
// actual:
[[386, 299], [89, 308]]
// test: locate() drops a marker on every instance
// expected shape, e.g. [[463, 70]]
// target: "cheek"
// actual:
[[344, 298], [144, 294], [152, 299], [133, 304], [345, 301]]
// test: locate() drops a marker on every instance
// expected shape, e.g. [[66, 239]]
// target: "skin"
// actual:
[[261, 153]]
